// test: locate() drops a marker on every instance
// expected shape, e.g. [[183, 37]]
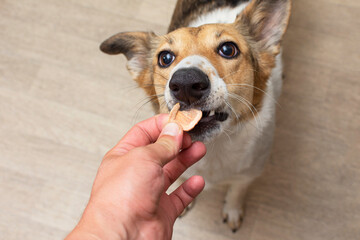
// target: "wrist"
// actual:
[[95, 225], [78, 234]]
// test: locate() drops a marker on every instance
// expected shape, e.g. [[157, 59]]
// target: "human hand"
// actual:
[[128, 198]]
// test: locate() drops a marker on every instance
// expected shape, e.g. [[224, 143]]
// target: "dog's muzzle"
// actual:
[[191, 87]]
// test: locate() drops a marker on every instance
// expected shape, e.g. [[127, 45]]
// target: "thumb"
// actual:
[[168, 145]]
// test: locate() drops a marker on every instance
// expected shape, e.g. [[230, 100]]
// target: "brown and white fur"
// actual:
[[237, 92]]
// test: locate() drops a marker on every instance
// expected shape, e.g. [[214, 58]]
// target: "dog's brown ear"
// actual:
[[136, 46], [266, 22]]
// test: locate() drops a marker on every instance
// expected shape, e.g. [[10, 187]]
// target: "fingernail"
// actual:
[[171, 129]]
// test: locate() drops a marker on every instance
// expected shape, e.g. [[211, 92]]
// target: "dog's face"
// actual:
[[221, 69], [203, 68]]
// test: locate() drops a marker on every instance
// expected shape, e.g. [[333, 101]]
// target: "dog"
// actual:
[[222, 57]]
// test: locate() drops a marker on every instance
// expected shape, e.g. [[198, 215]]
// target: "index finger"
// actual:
[[142, 134]]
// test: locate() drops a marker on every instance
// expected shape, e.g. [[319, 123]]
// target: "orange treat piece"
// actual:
[[186, 119]]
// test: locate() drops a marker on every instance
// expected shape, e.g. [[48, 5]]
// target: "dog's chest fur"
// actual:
[[242, 151]]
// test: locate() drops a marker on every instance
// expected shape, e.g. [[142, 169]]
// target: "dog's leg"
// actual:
[[234, 201]]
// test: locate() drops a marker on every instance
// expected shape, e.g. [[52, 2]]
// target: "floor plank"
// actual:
[[63, 104]]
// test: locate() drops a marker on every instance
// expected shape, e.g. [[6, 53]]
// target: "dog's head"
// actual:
[[221, 69]]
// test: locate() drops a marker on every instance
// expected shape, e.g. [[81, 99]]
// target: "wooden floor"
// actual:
[[63, 104]]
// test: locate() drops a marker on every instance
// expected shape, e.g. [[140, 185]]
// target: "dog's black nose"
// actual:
[[189, 85]]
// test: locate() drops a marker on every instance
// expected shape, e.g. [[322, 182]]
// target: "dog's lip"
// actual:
[[209, 115]]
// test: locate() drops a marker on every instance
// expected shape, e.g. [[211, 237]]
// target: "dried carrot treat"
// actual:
[[186, 119]]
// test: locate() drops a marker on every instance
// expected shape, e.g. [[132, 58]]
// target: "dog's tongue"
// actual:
[[186, 119]]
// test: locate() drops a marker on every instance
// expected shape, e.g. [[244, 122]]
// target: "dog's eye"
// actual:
[[228, 50], [166, 58]]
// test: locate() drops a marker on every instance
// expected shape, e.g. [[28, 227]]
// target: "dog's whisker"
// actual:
[[232, 73], [153, 85], [154, 96], [149, 99], [211, 148], [136, 115], [243, 101], [134, 87], [238, 118], [257, 117], [129, 88], [227, 134], [250, 104], [252, 86], [232, 109], [162, 103], [246, 129], [160, 75]]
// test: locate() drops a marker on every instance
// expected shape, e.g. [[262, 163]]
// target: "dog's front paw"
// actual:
[[233, 216]]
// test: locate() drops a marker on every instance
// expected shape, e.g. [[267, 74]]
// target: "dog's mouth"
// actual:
[[208, 116], [209, 125]]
